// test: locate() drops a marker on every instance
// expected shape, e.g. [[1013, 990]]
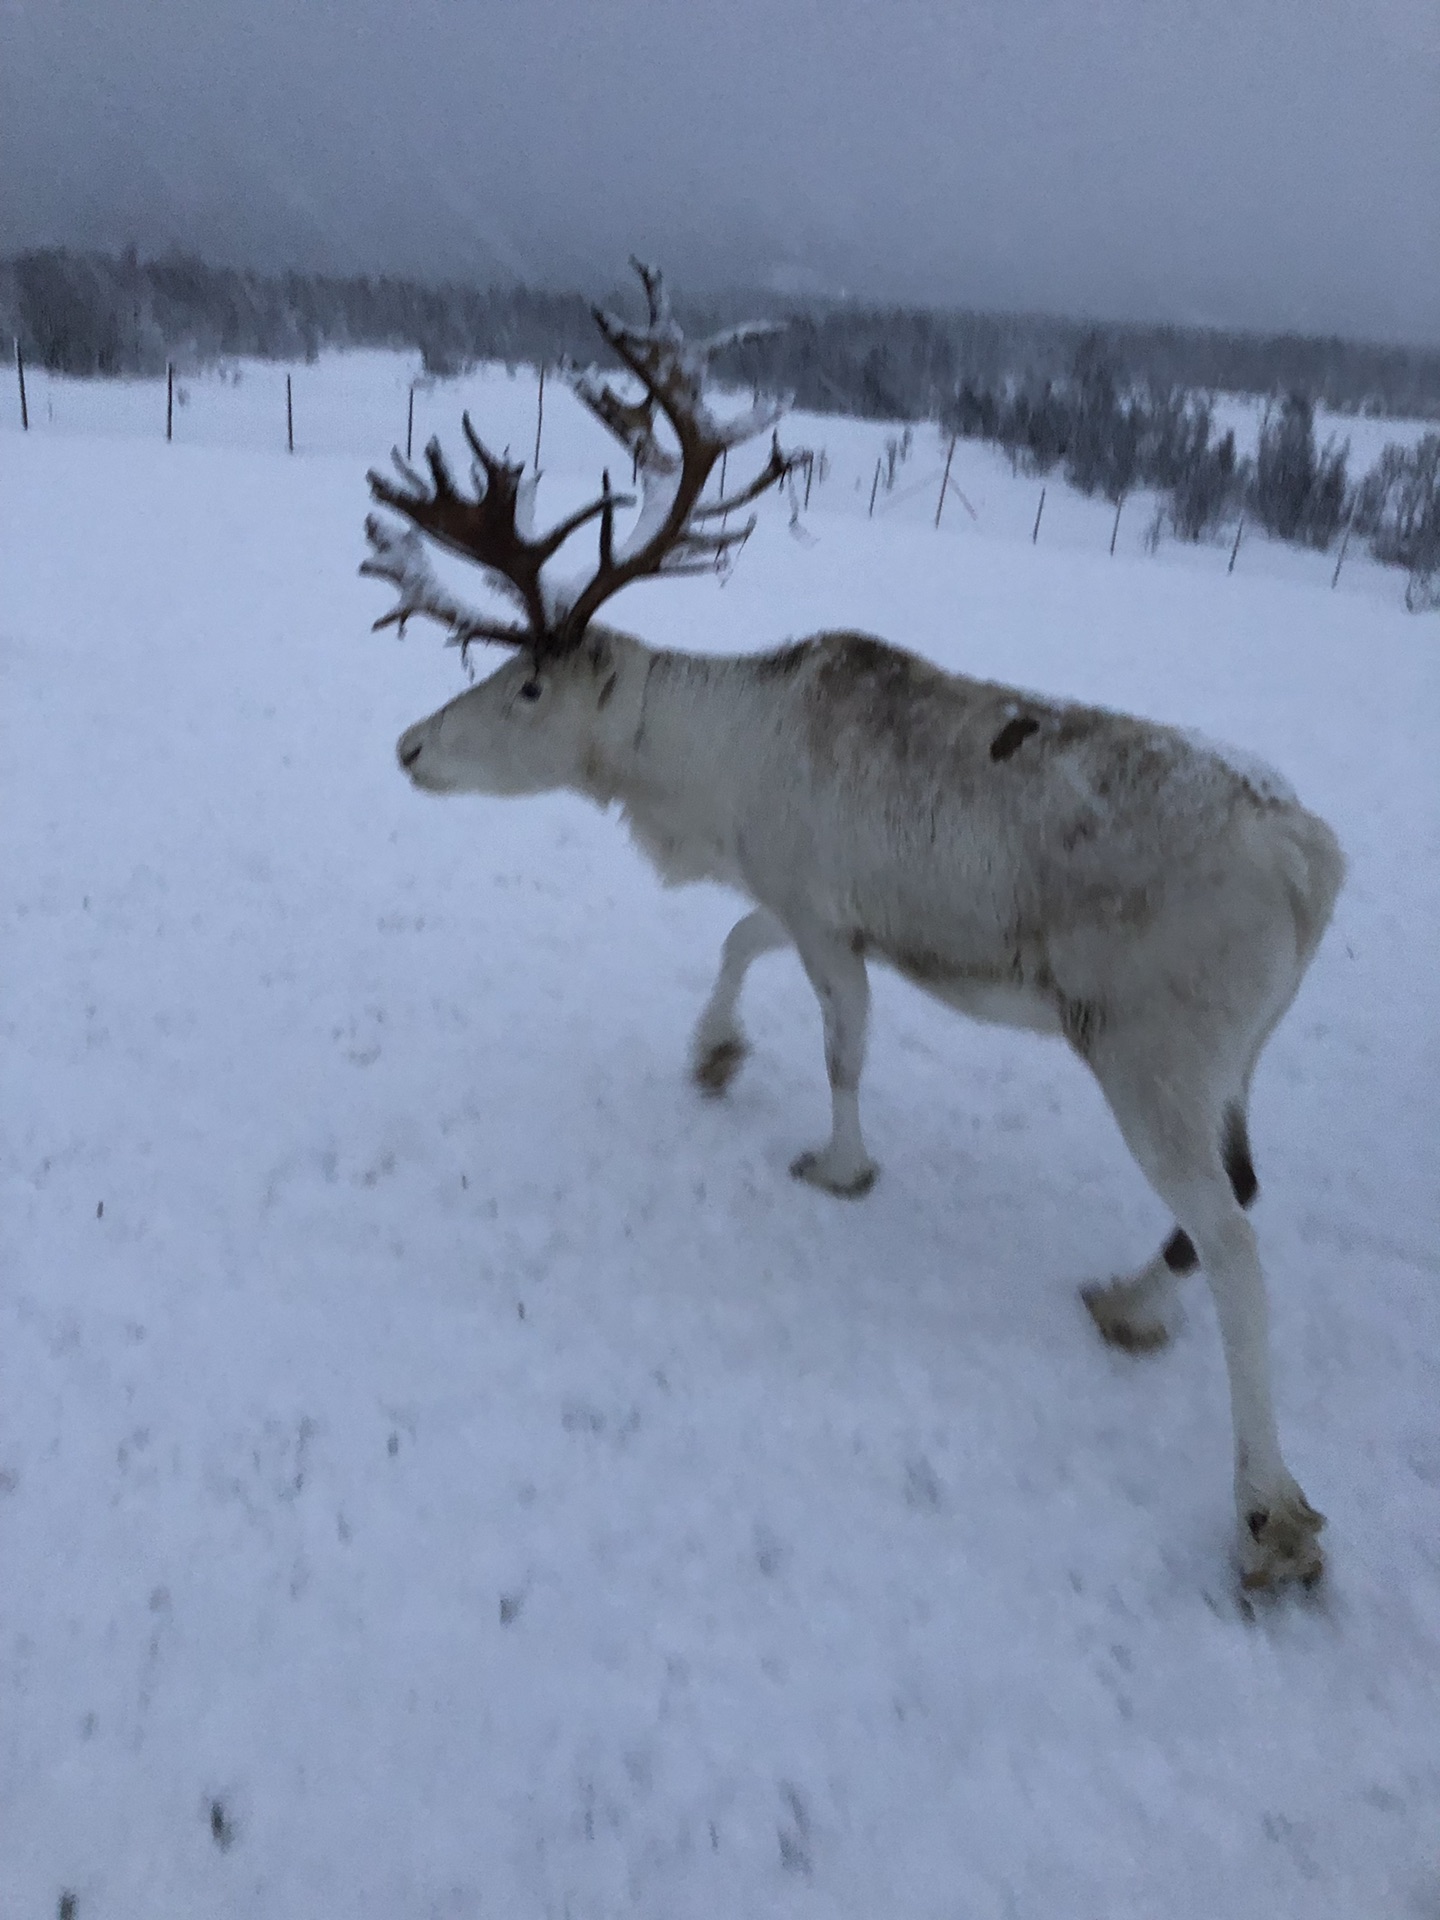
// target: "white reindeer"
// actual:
[[1044, 865]]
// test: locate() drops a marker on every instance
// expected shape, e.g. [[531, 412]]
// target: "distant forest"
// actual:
[[96, 314], [1115, 408]]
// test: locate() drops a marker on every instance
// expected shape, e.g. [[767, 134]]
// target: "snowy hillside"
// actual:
[[447, 1468]]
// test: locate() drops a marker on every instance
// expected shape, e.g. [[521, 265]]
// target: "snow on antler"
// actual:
[[399, 555], [496, 526]]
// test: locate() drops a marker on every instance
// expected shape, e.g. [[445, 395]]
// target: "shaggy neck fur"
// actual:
[[666, 768]]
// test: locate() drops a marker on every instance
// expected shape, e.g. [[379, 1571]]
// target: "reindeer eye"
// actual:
[[531, 690]]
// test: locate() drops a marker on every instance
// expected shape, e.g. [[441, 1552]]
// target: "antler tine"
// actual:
[[671, 378], [482, 529], [604, 507], [400, 558], [631, 421], [406, 471], [445, 488], [703, 547], [497, 470], [771, 474], [737, 336], [493, 527], [656, 297], [671, 371], [486, 529]]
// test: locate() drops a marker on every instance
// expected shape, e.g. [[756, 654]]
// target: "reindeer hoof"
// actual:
[[1120, 1324], [815, 1170], [717, 1066], [1279, 1544]]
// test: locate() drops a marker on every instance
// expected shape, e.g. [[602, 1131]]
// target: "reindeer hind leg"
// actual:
[[1140, 1312], [1191, 1147]]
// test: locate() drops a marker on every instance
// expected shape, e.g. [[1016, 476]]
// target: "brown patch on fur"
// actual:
[[1235, 1154], [896, 698], [928, 969], [715, 1071], [1179, 1253], [1133, 764], [925, 969], [1013, 735]]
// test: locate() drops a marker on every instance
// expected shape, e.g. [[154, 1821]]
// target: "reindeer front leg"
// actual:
[[836, 967], [719, 1045]]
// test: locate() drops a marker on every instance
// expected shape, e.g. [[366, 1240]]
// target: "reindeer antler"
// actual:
[[666, 538], [494, 526], [400, 557]]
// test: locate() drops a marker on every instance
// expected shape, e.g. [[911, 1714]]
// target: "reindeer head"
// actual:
[[530, 726]]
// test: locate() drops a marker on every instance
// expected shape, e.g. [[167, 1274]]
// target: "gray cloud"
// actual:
[[1269, 163]]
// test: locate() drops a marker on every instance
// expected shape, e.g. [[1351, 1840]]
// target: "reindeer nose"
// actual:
[[407, 750]]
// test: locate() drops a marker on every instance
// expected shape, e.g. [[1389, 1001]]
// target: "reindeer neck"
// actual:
[[668, 729]]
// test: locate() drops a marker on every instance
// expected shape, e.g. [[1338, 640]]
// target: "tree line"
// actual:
[[89, 313], [1117, 408], [1110, 438]]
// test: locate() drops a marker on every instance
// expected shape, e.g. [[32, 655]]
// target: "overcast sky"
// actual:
[[1263, 163]]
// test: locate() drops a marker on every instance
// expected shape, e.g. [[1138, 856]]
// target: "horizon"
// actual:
[[726, 296]]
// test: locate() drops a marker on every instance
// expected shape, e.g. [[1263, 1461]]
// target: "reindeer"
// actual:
[[1149, 898]]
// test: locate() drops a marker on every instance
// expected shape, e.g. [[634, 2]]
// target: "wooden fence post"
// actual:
[[874, 489], [1240, 528], [1335, 577], [289, 416], [169, 399], [20, 376], [1035, 530], [1114, 531], [410, 422], [809, 473], [945, 479]]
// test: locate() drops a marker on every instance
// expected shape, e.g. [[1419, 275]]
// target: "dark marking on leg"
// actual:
[[717, 1068], [856, 1189], [1235, 1153], [1179, 1253], [1013, 735]]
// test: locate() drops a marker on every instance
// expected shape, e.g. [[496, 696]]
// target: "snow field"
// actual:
[[446, 1467]]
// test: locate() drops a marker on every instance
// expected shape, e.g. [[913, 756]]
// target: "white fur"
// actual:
[[1152, 898]]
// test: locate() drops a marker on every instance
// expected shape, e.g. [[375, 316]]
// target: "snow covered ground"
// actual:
[[447, 1468]]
